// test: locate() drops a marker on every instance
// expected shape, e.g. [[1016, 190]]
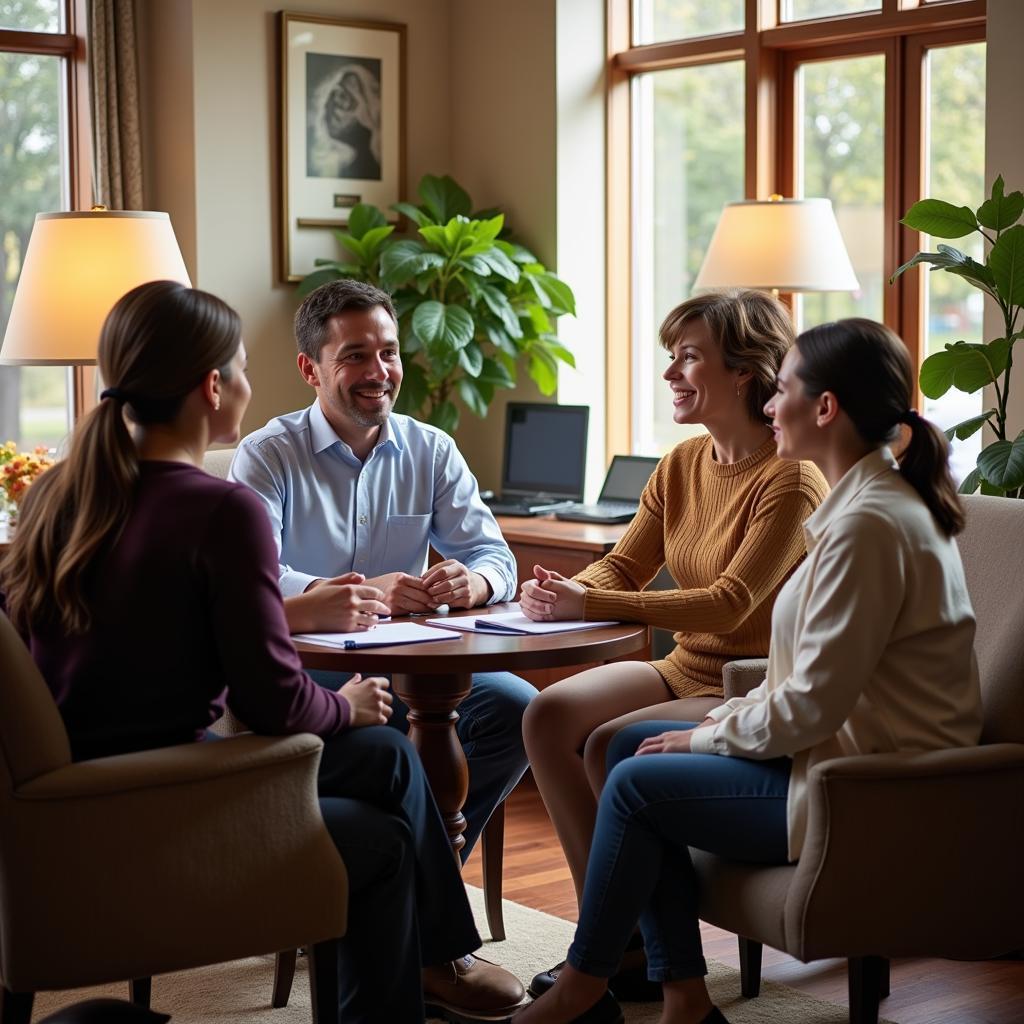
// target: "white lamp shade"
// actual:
[[793, 245], [76, 266]]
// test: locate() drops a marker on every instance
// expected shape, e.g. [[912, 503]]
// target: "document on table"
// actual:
[[387, 635], [514, 624]]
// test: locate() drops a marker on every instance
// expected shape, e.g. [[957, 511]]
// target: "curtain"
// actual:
[[113, 74]]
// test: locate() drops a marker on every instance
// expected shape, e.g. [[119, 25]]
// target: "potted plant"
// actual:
[[971, 367], [471, 304]]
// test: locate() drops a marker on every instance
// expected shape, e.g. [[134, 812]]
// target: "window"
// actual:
[[37, 163], [873, 105]]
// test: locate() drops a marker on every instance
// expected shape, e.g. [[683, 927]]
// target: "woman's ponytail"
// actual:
[[924, 464]]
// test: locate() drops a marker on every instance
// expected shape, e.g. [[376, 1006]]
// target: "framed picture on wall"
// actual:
[[342, 129]]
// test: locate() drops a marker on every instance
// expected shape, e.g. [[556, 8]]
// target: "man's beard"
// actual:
[[365, 417]]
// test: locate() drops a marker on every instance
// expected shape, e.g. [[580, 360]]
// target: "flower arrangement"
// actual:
[[17, 471]]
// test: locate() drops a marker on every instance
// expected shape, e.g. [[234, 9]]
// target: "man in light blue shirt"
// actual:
[[352, 488]]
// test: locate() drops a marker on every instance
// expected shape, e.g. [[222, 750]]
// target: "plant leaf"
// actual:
[[557, 349], [470, 394], [374, 238], [353, 245], [967, 428], [965, 367], [475, 265], [362, 217], [1002, 463], [441, 325], [516, 253], [1007, 262], [444, 198], [560, 294], [500, 264], [543, 370], [954, 261], [991, 489], [499, 338], [494, 373], [405, 259], [414, 387], [414, 213], [436, 236], [1001, 212], [970, 482], [941, 219], [313, 281], [497, 302], [445, 416], [471, 359]]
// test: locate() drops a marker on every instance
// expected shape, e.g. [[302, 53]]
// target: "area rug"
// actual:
[[239, 992]]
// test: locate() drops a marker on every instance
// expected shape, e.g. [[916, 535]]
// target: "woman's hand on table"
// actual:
[[550, 596], [369, 701]]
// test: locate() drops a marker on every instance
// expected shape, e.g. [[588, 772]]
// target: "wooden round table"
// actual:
[[434, 678]]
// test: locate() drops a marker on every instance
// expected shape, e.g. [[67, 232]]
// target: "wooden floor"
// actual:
[[923, 991]]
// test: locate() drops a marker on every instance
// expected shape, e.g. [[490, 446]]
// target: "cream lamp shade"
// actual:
[[790, 245], [76, 266]]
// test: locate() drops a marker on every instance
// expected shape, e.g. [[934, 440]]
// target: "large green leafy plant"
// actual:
[[471, 304], [972, 367]]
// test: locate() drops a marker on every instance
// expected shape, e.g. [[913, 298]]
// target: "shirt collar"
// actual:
[[323, 436], [872, 466]]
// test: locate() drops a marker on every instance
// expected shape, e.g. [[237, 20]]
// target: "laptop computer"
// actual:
[[620, 494], [545, 458]]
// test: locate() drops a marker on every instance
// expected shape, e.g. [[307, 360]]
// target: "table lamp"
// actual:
[[786, 245], [76, 266]]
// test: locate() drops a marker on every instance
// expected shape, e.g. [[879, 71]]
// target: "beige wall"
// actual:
[[214, 163], [1004, 152], [481, 107]]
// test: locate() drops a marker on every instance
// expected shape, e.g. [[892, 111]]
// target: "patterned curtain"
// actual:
[[113, 72]]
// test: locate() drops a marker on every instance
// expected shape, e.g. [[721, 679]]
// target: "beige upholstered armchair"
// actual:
[[906, 854], [125, 867]]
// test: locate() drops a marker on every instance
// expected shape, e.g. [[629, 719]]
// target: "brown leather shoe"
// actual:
[[471, 989]]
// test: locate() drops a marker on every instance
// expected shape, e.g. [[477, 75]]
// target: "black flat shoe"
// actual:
[[714, 1017], [630, 984], [605, 1011]]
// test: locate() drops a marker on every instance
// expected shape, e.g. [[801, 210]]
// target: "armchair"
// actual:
[[127, 866], [913, 854]]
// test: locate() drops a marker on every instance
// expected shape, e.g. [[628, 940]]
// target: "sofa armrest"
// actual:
[[912, 854], [740, 677]]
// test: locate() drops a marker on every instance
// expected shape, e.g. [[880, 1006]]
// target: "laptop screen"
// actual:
[[545, 449], [627, 477]]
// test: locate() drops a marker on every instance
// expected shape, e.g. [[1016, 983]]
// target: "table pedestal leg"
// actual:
[[432, 700]]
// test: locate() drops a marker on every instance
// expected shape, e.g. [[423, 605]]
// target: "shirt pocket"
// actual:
[[408, 538]]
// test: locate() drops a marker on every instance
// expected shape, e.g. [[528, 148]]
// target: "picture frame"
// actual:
[[342, 95]]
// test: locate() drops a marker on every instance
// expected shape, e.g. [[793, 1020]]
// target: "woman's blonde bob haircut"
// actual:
[[752, 330]]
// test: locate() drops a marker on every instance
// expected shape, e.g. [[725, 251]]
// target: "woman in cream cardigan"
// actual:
[[871, 652]]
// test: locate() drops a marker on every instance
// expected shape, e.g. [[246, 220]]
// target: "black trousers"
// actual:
[[407, 903]]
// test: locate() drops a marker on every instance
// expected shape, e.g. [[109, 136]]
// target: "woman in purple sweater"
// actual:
[[147, 591]]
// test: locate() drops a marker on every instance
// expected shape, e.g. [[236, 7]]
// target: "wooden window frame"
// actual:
[[903, 30], [71, 44]]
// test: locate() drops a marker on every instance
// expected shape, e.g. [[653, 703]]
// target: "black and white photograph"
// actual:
[[343, 122], [342, 129]]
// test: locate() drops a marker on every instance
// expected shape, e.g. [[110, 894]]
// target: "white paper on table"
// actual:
[[513, 624], [386, 635]]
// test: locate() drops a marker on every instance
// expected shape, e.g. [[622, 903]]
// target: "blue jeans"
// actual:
[[652, 808], [490, 729]]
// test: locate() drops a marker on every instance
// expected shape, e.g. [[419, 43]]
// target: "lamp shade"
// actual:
[[76, 266], [793, 245]]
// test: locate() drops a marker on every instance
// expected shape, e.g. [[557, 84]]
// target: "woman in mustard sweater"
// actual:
[[724, 514]]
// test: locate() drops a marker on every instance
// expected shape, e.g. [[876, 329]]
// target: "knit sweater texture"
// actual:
[[730, 535]]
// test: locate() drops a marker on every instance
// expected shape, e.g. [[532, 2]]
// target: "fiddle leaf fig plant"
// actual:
[[972, 367], [472, 305]]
